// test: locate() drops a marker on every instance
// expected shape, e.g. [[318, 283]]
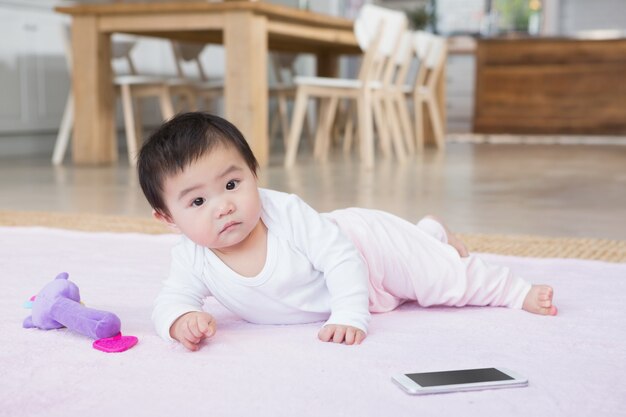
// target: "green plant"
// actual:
[[514, 14], [418, 18], [423, 16]]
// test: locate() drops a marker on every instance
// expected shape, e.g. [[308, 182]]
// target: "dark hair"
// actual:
[[179, 142]]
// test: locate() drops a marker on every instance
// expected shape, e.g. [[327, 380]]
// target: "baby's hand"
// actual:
[[338, 333], [191, 328]]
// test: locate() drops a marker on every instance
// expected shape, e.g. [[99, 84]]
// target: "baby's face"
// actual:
[[215, 200]]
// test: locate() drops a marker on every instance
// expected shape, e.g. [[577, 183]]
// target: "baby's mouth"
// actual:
[[228, 226]]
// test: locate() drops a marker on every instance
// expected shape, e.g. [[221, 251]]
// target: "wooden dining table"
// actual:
[[247, 29]]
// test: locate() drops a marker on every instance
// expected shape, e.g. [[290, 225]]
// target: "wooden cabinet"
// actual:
[[551, 86]]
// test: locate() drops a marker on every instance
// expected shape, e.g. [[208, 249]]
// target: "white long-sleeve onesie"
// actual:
[[336, 267]]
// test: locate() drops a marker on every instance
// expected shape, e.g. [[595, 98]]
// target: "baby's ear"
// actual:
[[165, 219]]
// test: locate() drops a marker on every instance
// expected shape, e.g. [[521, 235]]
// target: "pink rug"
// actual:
[[575, 362]]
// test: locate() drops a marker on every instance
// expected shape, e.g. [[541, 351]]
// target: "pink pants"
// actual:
[[414, 262]]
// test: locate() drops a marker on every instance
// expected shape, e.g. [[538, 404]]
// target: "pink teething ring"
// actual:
[[117, 343]]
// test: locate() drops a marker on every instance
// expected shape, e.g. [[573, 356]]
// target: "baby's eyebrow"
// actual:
[[188, 190], [229, 170]]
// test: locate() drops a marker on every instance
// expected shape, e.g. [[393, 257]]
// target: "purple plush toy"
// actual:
[[58, 305]]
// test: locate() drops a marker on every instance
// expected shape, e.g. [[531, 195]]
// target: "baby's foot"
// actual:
[[539, 300]]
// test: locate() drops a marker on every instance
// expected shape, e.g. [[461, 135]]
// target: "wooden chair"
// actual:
[[391, 104], [129, 87], [391, 110], [199, 88], [431, 51], [378, 31], [283, 68]]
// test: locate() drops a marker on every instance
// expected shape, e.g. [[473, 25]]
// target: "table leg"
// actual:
[[94, 130], [246, 87]]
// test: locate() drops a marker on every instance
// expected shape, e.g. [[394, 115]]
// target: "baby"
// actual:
[[270, 258]]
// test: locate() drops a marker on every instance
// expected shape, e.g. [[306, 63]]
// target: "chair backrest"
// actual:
[[431, 51], [436, 58], [121, 47], [189, 52], [398, 69], [378, 31], [367, 22], [437, 52], [421, 43], [283, 68]]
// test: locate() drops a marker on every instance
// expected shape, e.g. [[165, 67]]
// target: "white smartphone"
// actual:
[[459, 380]]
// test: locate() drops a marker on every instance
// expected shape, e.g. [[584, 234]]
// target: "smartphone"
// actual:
[[459, 380]]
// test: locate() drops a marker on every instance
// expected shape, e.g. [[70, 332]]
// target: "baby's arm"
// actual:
[[177, 313], [349, 305], [344, 269]]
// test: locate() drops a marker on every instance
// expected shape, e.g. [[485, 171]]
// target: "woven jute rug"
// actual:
[[515, 245]]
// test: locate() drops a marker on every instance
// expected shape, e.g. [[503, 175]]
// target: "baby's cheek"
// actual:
[[202, 237]]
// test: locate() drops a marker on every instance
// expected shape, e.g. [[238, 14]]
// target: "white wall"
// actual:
[[584, 15]]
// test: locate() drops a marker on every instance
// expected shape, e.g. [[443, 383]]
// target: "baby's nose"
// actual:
[[226, 209]]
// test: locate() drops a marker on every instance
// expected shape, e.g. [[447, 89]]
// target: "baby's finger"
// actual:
[[192, 327], [350, 335], [207, 329], [359, 337], [326, 333], [189, 344], [340, 333]]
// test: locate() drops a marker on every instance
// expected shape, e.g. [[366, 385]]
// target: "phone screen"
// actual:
[[466, 376]]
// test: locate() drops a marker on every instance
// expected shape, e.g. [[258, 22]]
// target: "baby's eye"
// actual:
[[232, 184], [198, 202]]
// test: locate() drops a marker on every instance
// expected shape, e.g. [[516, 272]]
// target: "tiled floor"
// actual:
[[551, 190]]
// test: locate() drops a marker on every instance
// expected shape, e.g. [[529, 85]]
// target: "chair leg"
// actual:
[[355, 135], [405, 122], [183, 99], [419, 123], [321, 127], [65, 130], [381, 127], [192, 99], [328, 128], [348, 137], [394, 124], [366, 136], [137, 106], [129, 123], [205, 102], [284, 117], [308, 132], [435, 117], [299, 110], [274, 120], [165, 102], [338, 123]]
